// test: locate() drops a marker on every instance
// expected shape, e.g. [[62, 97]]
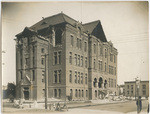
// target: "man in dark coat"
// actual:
[[139, 104]]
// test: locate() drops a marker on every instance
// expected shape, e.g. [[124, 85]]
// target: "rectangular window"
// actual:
[[131, 86], [75, 77], [109, 82], [75, 59], [71, 93], [81, 61], [144, 86], [21, 62], [114, 59], [78, 60], [79, 93], [77, 42], [95, 93], [86, 93], [86, 62], [110, 57], [59, 57], [80, 44], [59, 90], [55, 76], [112, 83], [85, 46], [128, 86], [42, 50], [70, 77], [81, 78], [144, 92], [72, 40], [76, 93], [82, 93], [33, 75], [70, 58], [55, 93], [55, 58], [59, 76], [86, 79], [42, 61], [105, 53], [95, 48]]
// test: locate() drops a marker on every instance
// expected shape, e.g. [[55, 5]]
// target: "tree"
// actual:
[[11, 91]]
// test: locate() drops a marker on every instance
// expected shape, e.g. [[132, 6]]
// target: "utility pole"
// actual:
[[135, 86]]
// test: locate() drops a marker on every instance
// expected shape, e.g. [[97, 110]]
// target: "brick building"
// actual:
[[81, 64], [131, 89]]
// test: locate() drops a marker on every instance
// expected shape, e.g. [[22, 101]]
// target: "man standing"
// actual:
[[139, 104]]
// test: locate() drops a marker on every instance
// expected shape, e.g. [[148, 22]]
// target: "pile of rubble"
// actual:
[[53, 104]]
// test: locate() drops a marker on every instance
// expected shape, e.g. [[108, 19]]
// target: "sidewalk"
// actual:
[[93, 103]]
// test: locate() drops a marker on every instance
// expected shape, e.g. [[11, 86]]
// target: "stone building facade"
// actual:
[[81, 63], [131, 89]]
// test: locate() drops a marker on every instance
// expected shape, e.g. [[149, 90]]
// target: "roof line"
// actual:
[[69, 17], [92, 22]]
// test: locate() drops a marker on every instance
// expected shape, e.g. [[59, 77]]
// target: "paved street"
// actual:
[[120, 107], [85, 108]]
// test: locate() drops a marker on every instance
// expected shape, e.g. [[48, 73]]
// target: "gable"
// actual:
[[99, 33]]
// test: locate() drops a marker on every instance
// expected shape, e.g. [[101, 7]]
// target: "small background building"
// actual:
[[131, 89]]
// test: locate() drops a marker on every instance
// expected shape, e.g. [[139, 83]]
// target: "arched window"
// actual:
[[58, 36], [55, 92], [100, 82], [79, 93], [105, 84], [71, 93], [59, 92], [94, 83], [95, 93], [76, 93]]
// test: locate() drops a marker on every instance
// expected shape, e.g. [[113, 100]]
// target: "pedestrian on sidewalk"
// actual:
[[139, 104], [148, 109]]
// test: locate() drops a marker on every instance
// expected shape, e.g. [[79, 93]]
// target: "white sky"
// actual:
[[124, 23]]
